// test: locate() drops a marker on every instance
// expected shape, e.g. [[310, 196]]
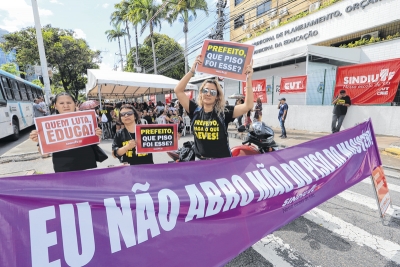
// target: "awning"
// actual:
[[351, 55], [117, 84]]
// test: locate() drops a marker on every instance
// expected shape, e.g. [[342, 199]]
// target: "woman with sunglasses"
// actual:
[[210, 117], [77, 159], [124, 145]]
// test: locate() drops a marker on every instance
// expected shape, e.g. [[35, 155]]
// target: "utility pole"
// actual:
[[219, 30], [42, 54]]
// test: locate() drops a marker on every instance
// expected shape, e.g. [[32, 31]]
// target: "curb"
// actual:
[[18, 155], [393, 151]]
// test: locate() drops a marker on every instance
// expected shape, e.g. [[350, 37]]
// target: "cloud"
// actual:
[[19, 15], [105, 5], [105, 66], [79, 34], [181, 41], [56, 2]]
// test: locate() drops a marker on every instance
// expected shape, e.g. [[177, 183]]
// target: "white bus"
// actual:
[[16, 104]]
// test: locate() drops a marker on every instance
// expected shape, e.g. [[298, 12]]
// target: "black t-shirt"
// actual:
[[338, 109], [210, 138], [123, 137], [148, 119], [77, 159], [107, 112]]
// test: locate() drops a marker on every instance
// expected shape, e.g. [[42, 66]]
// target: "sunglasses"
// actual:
[[211, 91], [129, 113]]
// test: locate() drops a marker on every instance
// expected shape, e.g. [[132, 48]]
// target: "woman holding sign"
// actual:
[[76, 159], [124, 145], [210, 117]]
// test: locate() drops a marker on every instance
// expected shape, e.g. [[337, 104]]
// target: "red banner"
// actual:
[[152, 138], [381, 188], [189, 94], [259, 90], [369, 83], [67, 131], [292, 85], [168, 98]]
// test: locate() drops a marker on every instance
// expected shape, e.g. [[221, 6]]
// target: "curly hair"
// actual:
[[219, 105]]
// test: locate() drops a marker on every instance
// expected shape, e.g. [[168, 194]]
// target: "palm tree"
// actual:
[[181, 9], [116, 34], [146, 12], [120, 15]]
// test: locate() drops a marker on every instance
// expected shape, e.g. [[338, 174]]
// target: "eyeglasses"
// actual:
[[129, 113], [211, 91]]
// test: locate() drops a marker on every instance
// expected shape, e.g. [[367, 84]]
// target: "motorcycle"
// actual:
[[259, 140]]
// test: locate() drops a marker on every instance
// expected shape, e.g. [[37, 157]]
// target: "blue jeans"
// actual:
[[282, 124]]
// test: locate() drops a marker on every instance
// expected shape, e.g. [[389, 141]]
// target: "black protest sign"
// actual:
[[152, 138]]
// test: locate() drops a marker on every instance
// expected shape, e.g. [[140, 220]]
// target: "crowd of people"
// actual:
[[209, 116]]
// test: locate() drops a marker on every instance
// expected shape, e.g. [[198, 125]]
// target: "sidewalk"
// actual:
[[388, 144]]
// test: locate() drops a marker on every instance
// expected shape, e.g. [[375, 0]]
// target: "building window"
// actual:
[[237, 2], [239, 22], [264, 7]]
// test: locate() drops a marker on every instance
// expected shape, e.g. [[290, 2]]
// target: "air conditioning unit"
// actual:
[[368, 36], [314, 7], [261, 21], [283, 12], [274, 23], [248, 35], [254, 25], [244, 27], [271, 13]]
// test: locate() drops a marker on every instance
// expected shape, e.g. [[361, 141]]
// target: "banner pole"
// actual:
[[273, 89], [323, 89], [377, 200]]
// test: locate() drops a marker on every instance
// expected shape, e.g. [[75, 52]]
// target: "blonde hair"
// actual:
[[219, 105]]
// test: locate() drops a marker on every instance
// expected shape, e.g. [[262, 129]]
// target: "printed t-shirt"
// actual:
[[340, 110], [149, 119], [210, 138], [121, 139], [107, 112], [77, 159]]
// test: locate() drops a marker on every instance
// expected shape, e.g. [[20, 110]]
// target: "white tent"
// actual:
[[116, 84]]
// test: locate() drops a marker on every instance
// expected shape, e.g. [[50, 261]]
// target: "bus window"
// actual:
[[29, 92], [2, 96], [23, 91], [15, 90], [7, 88]]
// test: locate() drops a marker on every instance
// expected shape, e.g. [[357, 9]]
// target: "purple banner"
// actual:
[[185, 214]]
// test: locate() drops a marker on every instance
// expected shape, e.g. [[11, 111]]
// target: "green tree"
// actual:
[[116, 34], [185, 11], [120, 15], [68, 56], [147, 13], [10, 68], [165, 47]]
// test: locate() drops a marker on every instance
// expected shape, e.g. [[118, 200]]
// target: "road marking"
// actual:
[[274, 250], [368, 202], [388, 249], [392, 187]]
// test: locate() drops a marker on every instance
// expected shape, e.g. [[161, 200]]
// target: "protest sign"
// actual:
[[152, 138], [67, 131], [201, 213], [259, 90], [296, 84], [225, 59], [381, 189], [369, 83]]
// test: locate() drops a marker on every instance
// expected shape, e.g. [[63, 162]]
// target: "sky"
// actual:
[[91, 18]]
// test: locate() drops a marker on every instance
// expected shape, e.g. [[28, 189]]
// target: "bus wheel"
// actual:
[[15, 134]]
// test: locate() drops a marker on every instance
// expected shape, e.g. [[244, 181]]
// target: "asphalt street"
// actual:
[[6, 145]]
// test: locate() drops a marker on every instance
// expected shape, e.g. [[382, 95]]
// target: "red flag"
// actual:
[[369, 83], [296, 84], [259, 90]]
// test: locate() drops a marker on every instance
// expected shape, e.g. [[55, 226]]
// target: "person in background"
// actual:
[[283, 109], [211, 140], [116, 119], [239, 119], [341, 103], [226, 103], [107, 111], [147, 117], [152, 116], [124, 145], [258, 110], [37, 109], [248, 119], [77, 159], [44, 106], [159, 107]]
